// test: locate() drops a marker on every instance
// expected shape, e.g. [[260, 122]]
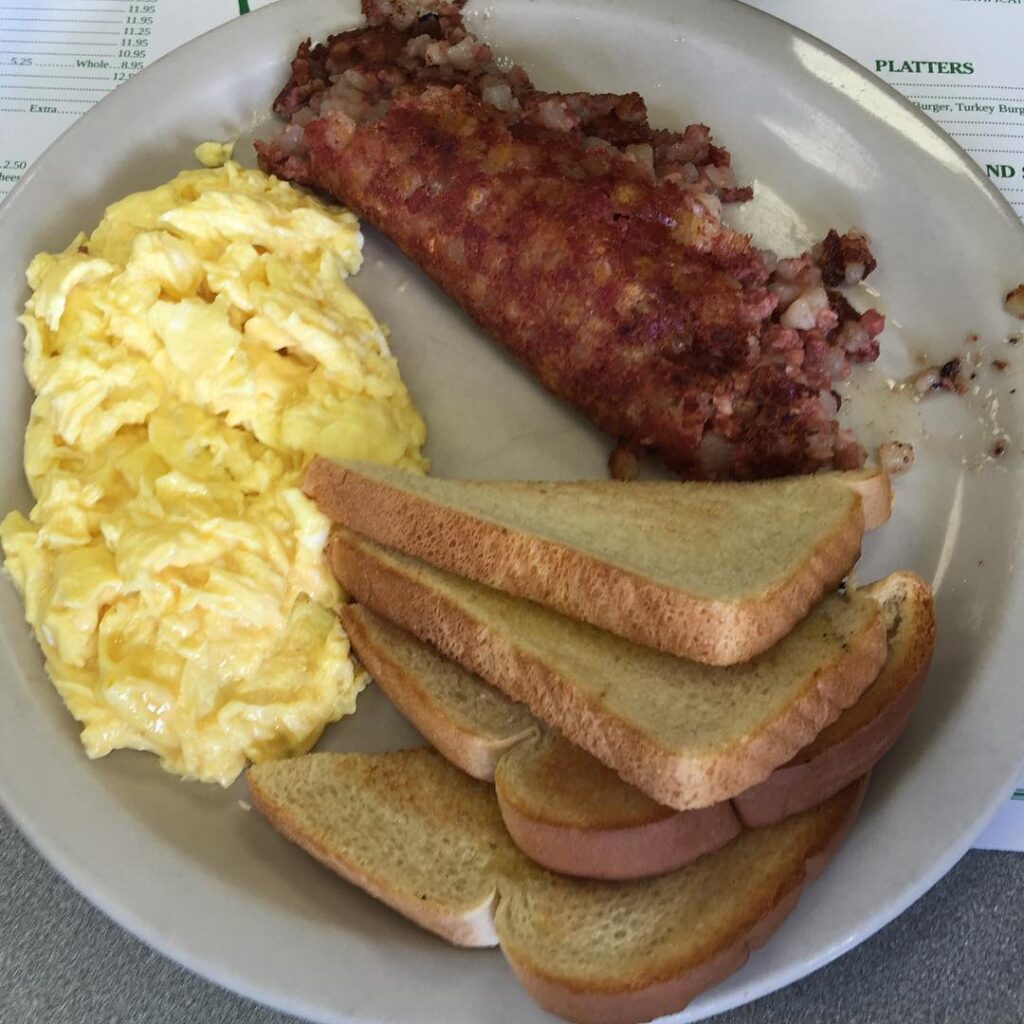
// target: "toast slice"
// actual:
[[855, 742], [562, 807], [471, 723], [417, 837], [570, 813], [686, 734], [716, 573], [421, 836]]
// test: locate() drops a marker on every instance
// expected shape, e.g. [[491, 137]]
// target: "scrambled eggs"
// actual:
[[188, 359], [214, 154]]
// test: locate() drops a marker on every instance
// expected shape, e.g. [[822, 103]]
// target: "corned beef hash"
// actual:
[[587, 242]]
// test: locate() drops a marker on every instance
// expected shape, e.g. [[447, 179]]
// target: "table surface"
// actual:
[[954, 957]]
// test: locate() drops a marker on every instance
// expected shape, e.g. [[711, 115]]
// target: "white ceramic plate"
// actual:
[[186, 867]]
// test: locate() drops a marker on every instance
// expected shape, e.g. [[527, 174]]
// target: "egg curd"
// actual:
[[188, 359]]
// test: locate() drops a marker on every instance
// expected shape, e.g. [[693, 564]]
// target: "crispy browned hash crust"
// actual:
[[587, 242]]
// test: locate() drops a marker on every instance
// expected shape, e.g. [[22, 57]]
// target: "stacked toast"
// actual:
[[654, 707]]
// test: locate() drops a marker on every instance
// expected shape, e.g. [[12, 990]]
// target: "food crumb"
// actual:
[[623, 464], [947, 377], [999, 448], [1001, 365], [895, 457], [214, 154], [245, 805], [1014, 302]]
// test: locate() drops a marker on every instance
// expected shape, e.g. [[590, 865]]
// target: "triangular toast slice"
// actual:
[[562, 807], [421, 836], [570, 813], [713, 572], [857, 739], [688, 735], [470, 722]]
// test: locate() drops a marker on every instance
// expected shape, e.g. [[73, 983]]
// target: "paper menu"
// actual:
[[59, 57], [1007, 830], [957, 60]]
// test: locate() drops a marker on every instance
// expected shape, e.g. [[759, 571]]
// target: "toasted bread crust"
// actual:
[[653, 971], [875, 490], [476, 755], [909, 612], [637, 998], [572, 815], [796, 787], [471, 929], [666, 776], [844, 751], [582, 586], [621, 854], [860, 737], [555, 782]]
